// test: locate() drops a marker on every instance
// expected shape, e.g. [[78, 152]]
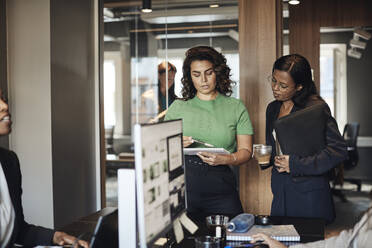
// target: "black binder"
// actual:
[[302, 133]]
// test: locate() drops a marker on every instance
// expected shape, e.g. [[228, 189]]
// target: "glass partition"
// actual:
[[138, 83]]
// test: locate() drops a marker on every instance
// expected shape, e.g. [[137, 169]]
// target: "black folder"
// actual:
[[303, 132]]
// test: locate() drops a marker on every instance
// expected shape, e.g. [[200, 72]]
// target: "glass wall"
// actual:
[[136, 77]]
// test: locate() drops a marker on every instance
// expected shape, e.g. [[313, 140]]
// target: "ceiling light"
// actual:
[[190, 15], [294, 2], [190, 35], [214, 5], [146, 6]]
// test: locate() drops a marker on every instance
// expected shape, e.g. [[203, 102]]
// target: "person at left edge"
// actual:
[[13, 227], [211, 116]]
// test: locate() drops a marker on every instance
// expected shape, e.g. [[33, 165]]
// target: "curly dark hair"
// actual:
[[299, 69], [222, 71]]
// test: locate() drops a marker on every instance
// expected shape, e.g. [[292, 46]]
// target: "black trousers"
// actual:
[[211, 189]]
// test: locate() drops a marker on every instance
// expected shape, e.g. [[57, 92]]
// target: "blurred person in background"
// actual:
[[162, 93]]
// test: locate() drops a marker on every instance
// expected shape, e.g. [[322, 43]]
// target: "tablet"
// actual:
[[194, 151]]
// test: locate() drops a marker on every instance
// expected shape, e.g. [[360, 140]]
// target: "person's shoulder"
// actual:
[[179, 102], [6, 153], [315, 100], [9, 159], [176, 106], [273, 105], [231, 100]]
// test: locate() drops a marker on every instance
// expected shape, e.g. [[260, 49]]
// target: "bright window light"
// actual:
[[109, 92], [294, 2]]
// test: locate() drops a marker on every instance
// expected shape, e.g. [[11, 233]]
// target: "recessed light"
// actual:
[[294, 2], [146, 10], [146, 6], [214, 5]]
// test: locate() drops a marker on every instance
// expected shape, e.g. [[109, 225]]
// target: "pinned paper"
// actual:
[[161, 242], [188, 224], [178, 232]]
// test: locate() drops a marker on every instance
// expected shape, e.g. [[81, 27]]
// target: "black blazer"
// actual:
[[23, 233], [305, 192]]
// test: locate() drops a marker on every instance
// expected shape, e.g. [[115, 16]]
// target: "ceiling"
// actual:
[[171, 19]]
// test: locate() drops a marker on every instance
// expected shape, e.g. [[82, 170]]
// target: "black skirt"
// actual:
[[211, 189]]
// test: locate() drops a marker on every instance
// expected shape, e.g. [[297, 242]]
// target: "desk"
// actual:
[[308, 228], [86, 224], [119, 162]]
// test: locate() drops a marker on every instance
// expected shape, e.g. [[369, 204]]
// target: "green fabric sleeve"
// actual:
[[244, 125]]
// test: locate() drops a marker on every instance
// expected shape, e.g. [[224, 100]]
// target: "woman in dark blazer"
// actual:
[[22, 233], [300, 185]]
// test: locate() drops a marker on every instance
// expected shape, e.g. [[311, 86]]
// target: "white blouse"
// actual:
[[7, 215]]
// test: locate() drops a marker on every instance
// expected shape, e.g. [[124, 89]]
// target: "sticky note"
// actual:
[[188, 224], [178, 232], [161, 242]]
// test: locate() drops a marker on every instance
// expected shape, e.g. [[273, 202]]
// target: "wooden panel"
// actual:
[[344, 13], [258, 50], [304, 34], [306, 19]]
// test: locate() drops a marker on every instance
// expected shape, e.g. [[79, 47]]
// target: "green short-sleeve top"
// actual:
[[216, 122]]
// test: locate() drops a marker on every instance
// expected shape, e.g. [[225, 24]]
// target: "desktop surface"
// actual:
[[309, 229]]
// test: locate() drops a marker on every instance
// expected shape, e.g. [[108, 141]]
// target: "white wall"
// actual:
[[53, 85], [30, 104]]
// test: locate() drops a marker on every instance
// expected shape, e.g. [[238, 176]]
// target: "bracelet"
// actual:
[[233, 156]]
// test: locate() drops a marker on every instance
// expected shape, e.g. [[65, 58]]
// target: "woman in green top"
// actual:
[[209, 115]]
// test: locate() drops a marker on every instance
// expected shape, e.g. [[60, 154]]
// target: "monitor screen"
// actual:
[[160, 178]]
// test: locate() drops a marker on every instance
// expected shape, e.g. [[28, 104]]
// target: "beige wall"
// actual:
[[30, 104], [53, 84], [4, 141]]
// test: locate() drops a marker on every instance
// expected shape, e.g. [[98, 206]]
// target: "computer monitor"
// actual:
[[160, 178], [106, 231]]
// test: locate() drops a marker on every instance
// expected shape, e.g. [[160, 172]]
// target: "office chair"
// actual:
[[350, 134]]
